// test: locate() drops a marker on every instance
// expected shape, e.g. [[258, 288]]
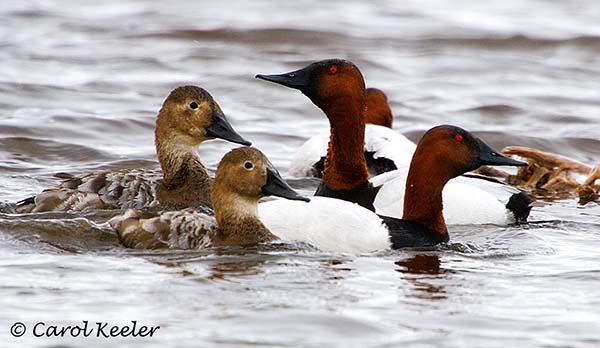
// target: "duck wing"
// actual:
[[467, 200], [99, 190], [183, 229]]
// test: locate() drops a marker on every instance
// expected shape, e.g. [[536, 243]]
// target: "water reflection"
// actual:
[[226, 262], [420, 264], [425, 273], [235, 265]]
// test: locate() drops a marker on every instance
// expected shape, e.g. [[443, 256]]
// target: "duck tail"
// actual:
[[125, 224], [132, 232], [520, 205], [24, 206]]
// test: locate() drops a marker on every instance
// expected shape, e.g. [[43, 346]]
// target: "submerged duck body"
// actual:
[[337, 87], [443, 153], [244, 176], [188, 116]]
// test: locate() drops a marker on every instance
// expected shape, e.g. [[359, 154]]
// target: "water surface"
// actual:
[[81, 83]]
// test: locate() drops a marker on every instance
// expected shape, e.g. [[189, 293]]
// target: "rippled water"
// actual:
[[80, 85]]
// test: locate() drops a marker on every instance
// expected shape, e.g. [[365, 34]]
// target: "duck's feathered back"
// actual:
[[183, 229], [100, 190]]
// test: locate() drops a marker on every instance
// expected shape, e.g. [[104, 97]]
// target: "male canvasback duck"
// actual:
[[243, 176], [337, 87], [554, 174], [188, 117], [378, 110], [384, 148], [443, 153]]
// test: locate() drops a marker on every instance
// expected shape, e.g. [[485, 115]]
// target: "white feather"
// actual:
[[501, 191], [387, 143], [328, 224], [308, 154], [464, 203], [383, 141]]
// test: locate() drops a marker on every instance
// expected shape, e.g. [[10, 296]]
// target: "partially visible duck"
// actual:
[[443, 153], [337, 87], [554, 174], [188, 117], [378, 110], [384, 148], [243, 176], [590, 189]]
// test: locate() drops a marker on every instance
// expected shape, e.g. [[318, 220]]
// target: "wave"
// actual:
[[268, 35]]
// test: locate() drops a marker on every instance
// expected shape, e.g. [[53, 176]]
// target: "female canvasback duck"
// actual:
[[243, 176], [337, 87], [443, 153], [553, 173], [188, 117], [384, 148]]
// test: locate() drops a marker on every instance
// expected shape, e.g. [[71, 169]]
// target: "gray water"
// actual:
[[81, 83]]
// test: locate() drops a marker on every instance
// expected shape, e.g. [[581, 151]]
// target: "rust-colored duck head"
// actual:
[[455, 151], [443, 153], [330, 84], [337, 87], [378, 111]]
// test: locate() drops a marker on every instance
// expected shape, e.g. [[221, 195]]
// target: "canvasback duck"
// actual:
[[330, 224], [378, 110], [554, 174], [384, 148], [337, 87], [243, 176], [188, 117]]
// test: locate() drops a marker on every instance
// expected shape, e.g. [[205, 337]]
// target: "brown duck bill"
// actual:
[[222, 129], [491, 157], [276, 186]]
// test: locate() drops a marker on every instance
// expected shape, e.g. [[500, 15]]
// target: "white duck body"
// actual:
[[383, 142], [467, 200], [328, 224]]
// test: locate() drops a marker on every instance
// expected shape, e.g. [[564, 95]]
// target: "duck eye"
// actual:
[[333, 70], [248, 165], [194, 105], [458, 137]]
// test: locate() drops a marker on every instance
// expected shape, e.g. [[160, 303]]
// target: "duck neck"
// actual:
[[238, 220], [423, 195], [179, 160], [345, 165]]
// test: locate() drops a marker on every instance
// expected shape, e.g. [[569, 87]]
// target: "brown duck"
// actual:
[[244, 176], [188, 117]]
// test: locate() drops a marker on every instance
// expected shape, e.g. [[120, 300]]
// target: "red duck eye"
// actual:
[[458, 137], [333, 70]]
